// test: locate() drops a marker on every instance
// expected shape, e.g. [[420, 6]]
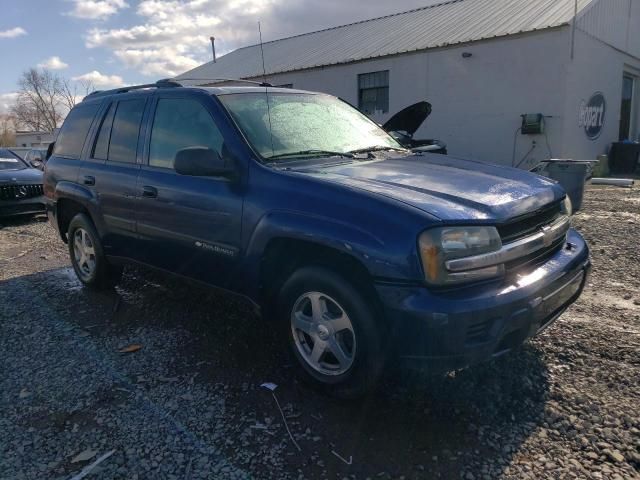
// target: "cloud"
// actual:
[[99, 79], [13, 32], [96, 9], [6, 101], [172, 36], [53, 63]]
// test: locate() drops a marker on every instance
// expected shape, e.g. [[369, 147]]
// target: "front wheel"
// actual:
[[332, 332], [87, 256]]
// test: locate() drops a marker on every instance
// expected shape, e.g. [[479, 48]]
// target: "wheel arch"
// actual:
[[284, 255], [72, 199], [282, 241]]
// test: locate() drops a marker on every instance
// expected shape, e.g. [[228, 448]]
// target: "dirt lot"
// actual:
[[189, 404]]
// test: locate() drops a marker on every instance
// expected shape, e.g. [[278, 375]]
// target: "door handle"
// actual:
[[149, 191], [89, 180]]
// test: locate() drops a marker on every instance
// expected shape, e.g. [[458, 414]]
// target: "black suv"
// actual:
[[358, 248]]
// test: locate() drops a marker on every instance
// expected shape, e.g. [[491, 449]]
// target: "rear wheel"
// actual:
[[87, 256], [332, 331]]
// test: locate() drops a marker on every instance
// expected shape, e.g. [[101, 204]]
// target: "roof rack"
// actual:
[[165, 83], [217, 80]]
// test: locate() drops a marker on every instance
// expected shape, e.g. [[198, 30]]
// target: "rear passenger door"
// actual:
[[111, 171], [189, 225]]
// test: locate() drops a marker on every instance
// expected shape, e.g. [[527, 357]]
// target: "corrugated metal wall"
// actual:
[[616, 22]]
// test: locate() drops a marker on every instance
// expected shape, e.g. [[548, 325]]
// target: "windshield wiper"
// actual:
[[324, 153], [376, 148]]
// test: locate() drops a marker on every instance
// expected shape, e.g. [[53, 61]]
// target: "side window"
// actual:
[[101, 147], [180, 123], [74, 131], [125, 130]]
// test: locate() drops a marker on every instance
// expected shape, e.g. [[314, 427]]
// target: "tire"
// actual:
[[343, 357], [87, 255]]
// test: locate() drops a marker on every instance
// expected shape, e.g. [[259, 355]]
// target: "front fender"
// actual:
[[382, 257]]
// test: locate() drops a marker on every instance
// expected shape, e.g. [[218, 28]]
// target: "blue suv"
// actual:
[[357, 248]]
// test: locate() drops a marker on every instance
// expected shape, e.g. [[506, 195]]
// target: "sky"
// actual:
[[120, 42]]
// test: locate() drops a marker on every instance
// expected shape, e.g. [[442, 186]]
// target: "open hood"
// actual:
[[409, 119]]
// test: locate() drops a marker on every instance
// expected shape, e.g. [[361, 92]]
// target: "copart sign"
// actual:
[[592, 115]]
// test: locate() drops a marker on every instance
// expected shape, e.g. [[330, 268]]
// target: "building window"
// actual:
[[373, 92]]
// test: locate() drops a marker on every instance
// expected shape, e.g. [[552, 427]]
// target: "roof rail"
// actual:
[[164, 83], [217, 80]]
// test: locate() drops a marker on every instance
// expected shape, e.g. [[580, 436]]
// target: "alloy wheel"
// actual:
[[84, 253], [323, 333]]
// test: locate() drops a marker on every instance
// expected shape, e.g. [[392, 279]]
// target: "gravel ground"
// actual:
[[188, 404]]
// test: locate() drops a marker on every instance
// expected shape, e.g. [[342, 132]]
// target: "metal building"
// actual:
[[482, 64]]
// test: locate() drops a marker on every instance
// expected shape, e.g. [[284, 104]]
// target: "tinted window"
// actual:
[[74, 131], [101, 149], [124, 134], [180, 123]]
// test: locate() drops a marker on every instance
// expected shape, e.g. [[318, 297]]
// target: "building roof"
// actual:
[[444, 24]]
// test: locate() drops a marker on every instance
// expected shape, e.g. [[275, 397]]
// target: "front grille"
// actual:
[[20, 192], [536, 258], [529, 224]]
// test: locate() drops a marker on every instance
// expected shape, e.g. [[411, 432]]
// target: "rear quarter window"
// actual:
[[74, 131]]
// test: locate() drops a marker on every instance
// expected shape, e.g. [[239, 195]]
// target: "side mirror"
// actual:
[[35, 163], [201, 162]]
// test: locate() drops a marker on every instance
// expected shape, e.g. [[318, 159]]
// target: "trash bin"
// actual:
[[623, 157], [571, 174]]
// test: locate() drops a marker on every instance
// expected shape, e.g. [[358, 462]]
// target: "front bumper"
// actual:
[[27, 206], [448, 330]]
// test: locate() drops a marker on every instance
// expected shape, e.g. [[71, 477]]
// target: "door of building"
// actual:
[[628, 112]]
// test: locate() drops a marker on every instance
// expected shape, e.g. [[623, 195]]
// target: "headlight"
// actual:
[[567, 207], [441, 244]]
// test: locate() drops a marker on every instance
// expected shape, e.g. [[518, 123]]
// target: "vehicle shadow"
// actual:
[[415, 425], [20, 220]]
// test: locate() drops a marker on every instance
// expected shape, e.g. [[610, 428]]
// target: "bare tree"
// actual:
[[39, 106], [7, 131], [72, 93], [45, 98]]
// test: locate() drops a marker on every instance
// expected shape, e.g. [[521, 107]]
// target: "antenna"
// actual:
[[266, 92], [264, 70]]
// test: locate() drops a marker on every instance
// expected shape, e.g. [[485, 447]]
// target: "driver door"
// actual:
[[187, 225]]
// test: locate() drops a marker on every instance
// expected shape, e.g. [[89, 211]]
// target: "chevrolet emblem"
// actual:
[[547, 239]]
